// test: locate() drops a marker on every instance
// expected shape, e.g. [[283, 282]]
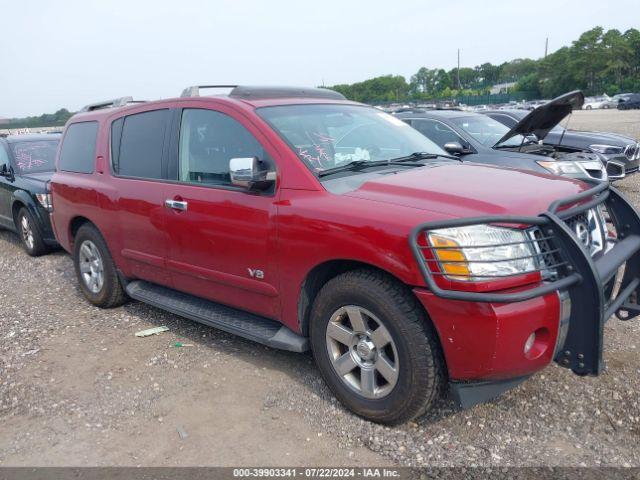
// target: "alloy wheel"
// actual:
[[27, 232], [362, 352], [91, 266]]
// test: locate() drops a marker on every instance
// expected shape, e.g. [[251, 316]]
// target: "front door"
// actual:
[[221, 237]]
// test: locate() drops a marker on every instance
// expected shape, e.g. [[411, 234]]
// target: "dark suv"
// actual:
[[27, 163], [300, 220]]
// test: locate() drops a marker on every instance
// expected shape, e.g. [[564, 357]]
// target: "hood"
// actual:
[[541, 120], [466, 190]]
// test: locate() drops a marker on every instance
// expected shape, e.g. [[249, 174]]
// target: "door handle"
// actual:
[[176, 205]]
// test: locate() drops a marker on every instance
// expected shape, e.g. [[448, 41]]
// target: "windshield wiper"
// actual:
[[420, 156], [404, 161], [354, 165]]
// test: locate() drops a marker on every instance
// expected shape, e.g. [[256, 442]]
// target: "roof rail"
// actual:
[[116, 102], [194, 91], [242, 91]]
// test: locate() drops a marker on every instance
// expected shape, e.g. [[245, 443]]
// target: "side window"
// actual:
[[208, 140], [505, 120], [78, 150], [137, 143], [437, 132]]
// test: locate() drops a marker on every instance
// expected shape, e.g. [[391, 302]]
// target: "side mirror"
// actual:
[[5, 171], [455, 148], [250, 173]]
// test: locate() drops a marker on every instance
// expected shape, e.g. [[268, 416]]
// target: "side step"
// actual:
[[247, 325]]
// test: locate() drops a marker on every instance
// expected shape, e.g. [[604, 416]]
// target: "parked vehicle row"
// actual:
[[304, 221], [482, 138]]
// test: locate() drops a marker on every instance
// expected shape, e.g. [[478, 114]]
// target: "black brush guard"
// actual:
[[588, 282]]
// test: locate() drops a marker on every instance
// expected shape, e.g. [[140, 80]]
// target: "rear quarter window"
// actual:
[[79, 148]]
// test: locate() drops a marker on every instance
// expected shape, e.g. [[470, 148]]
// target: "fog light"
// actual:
[[528, 345]]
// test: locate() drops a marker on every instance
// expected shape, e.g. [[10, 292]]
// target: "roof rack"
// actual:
[[242, 91], [194, 91], [116, 102]]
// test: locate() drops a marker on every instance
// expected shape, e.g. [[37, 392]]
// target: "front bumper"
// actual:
[[482, 333]]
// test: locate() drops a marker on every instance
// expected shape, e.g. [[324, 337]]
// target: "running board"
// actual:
[[247, 325]]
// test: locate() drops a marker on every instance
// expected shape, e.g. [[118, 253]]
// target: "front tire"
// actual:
[[374, 347], [30, 234], [95, 269]]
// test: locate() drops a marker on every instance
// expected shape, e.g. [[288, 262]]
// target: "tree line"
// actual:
[[45, 120], [598, 62]]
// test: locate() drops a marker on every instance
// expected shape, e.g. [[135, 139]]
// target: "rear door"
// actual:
[[136, 193], [221, 237]]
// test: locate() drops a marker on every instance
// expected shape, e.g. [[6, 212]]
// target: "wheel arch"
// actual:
[[319, 275], [21, 199], [74, 225]]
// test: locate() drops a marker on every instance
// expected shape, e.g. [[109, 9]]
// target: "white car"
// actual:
[[594, 103]]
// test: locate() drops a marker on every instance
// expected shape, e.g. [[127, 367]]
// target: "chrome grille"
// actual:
[[631, 150], [589, 228]]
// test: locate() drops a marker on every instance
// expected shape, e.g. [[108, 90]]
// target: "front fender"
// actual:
[[21, 198]]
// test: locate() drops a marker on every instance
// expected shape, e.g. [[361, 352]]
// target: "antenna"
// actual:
[[458, 71], [546, 47]]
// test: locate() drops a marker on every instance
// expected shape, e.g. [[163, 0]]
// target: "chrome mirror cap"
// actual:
[[242, 171], [248, 172]]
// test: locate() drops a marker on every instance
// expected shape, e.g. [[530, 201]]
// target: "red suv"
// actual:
[[300, 220]]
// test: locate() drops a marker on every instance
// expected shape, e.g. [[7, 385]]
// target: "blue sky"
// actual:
[[68, 53]]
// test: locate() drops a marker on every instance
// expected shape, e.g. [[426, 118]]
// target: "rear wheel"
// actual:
[[30, 234], [95, 269], [374, 347]]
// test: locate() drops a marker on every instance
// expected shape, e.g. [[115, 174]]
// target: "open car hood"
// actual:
[[541, 120]]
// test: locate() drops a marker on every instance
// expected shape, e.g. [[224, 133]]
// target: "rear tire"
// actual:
[[398, 343], [30, 234], [95, 269]]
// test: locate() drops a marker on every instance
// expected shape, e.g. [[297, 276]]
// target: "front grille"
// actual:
[[548, 256]]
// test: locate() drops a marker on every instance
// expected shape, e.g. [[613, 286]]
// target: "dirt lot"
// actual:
[[77, 388]]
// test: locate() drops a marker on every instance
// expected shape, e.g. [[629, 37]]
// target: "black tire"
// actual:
[[111, 294], [34, 245], [421, 371]]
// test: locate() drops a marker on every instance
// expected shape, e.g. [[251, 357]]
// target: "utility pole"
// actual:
[[546, 47], [458, 71]]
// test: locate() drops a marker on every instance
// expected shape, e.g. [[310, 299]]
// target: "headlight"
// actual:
[[561, 168], [606, 149], [482, 252]]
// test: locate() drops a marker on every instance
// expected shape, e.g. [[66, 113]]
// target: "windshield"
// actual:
[[35, 157], [328, 136], [486, 130]]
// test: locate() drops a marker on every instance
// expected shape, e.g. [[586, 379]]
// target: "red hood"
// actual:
[[466, 190]]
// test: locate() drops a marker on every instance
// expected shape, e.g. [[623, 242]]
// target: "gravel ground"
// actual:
[[78, 388]]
